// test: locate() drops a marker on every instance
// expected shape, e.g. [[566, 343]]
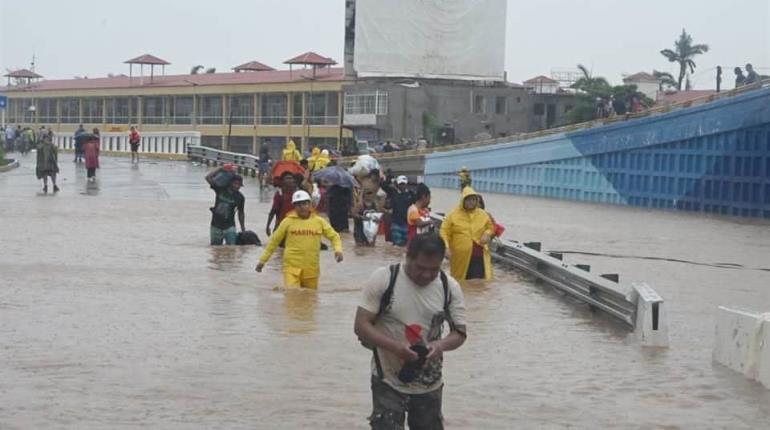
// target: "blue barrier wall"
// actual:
[[710, 158]]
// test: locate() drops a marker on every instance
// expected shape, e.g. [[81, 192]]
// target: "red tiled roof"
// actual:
[[541, 79], [233, 78], [253, 66], [147, 59], [23, 73], [311, 58], [683, 96], [641, 77]]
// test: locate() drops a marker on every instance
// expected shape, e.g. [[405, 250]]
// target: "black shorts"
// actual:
[[134, 147]]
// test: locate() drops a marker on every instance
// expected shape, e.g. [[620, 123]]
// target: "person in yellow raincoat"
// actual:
[[302, 229], [291, 153], [313, 159], [465, 177], [467, 231], [323, 160]]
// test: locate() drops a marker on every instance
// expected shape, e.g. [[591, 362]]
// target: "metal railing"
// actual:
[[247, 163], [637, 306], [150, 143]]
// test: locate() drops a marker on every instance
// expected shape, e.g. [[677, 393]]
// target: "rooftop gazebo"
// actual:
[[253, 66], [312, 59], [23, 76], [151, 60]]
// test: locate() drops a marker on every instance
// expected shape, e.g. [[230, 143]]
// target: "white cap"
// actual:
[[402, 180], [300, 196]]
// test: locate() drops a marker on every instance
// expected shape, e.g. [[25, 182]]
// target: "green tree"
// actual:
[[683, 53], [592, 89], [666, 79]]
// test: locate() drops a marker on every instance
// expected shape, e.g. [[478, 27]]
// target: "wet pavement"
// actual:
[[115, 313]]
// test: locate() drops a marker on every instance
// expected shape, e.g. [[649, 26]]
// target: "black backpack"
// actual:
[[247, 237], [385, 302]]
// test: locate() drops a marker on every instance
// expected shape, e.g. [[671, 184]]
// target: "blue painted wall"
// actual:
[[712, 158]]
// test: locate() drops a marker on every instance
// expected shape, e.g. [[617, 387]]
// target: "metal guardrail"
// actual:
[[637, 306], [247, 163]]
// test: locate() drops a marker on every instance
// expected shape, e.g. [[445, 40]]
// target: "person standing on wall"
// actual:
[[134, 139]]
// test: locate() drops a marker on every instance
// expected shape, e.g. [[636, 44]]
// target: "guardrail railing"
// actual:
[[246, 163], [150, 143], [637, 306]]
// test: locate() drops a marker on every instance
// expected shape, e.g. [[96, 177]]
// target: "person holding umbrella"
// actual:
[[339, 195]]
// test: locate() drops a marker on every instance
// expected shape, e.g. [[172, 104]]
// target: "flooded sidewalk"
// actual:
[[116, 313]]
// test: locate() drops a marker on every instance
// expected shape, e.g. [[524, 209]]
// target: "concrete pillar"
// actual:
[[742, 343]]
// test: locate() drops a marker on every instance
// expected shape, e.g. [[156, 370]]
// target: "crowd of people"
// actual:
[[751, 76]]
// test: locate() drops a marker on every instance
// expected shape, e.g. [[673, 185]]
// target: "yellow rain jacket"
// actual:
[[460, 230], [313, 159], [291, 153], [323, 160], [303, 242]]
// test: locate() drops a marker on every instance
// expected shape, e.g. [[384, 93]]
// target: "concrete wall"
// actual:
[[742, 343]]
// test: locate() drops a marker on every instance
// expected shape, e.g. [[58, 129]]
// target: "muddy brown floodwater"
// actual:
[[115, 313]]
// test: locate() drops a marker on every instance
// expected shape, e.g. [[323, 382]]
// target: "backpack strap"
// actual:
[[384, 302]]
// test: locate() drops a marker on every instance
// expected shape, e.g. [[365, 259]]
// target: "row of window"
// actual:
[[320, 109]]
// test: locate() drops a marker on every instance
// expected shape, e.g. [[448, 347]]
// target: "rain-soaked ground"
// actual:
[[115, 313]]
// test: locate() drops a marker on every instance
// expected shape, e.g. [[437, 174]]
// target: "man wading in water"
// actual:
[[401, 318]]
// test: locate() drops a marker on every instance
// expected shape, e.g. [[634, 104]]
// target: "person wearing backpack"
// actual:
[[401, 318], [228, 200]]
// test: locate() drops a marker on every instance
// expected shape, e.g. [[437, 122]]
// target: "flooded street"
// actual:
[[116, 313]]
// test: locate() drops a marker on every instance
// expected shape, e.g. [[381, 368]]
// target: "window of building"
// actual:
[[322, 109], [118, 110], [210, 110], [242, 109], [182, 110], [539, 109], [568, 108], [296, 109], [153, 110], [273, 109], [371, 103], [92, 111], [501, 107], [46, 110], [69, 111], [479, 107]]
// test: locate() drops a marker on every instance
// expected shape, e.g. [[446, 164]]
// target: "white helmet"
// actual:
[[300, 196]]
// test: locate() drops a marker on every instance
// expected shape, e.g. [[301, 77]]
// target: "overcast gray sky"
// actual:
[[613, 37]]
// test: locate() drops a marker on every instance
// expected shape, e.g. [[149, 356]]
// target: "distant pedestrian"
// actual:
[[79, 144], [418, 215], [719, 78], [465, 178], [91, 149], [134, 138], [740, 79], [751, 76], [264, 165], [27, 140], [291, 153], [467, 231], [47, 163], [400, 200], [281, 201], [228, 200], [301, 232], [10, 137]]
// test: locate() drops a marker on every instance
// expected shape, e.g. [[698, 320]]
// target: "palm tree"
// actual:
[[666, 79], [195, 70], [591, 85], [683, 53]]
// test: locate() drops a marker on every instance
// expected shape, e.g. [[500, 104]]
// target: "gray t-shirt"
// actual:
[[415, 314]]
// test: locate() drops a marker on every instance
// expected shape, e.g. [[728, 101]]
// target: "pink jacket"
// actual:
[[91, 150]]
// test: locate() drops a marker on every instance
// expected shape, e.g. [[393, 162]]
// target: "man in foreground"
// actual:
[[401, 318]]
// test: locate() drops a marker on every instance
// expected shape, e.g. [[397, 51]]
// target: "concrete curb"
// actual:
[[10, 166]]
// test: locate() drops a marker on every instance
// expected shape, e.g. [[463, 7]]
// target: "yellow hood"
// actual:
[[467, 191], [291, 146], [315, 152]]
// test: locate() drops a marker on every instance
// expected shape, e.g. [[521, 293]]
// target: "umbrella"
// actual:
[[85, 137], [284, 166], [336, 175]]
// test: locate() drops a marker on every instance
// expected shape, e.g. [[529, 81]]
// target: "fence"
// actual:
[[152, 143]]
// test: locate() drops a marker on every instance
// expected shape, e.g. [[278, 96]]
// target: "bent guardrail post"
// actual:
[[742, 343]]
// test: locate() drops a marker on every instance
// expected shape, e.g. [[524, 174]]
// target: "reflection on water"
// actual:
[[115, 312]]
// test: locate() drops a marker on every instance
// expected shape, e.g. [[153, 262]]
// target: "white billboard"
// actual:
[[448, 39]]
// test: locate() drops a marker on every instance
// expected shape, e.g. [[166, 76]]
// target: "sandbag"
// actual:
[[247, 237]]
